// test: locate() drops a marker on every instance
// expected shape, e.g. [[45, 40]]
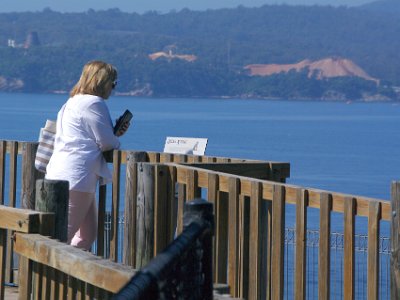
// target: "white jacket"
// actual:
[[84, 131]]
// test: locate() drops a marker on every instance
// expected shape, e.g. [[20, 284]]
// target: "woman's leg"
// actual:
[[82, 219]]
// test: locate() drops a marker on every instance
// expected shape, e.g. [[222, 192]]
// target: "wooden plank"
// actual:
[[13, 174], [11, 202], [54, 286], [324, 247], [222, 215], [129, 244], [395, 242], [301, 245], [255, 247], [72, 261], [3, 149], [115, 205], [172, 205], [212, 196], [25, 278], [314, 194], [22, 220], [221, 212], [192, 186], [244, 233], [101, 220], [160, 208], [46, 283], [373, 250], [37, 281], [181, 195], [233, 239], [72, 288], [259, 170], [145, 214], [349, 250], [3, 249], [29, 175], [278, 242]]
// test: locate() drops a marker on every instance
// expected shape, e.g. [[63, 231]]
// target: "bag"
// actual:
[[46, 145]]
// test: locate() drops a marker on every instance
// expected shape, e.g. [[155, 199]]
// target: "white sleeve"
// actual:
[[99, 122]]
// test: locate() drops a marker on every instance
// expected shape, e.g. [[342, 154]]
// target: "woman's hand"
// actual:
[[123, 129]]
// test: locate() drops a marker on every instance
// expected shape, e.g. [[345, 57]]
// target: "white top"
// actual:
[[84, 131]]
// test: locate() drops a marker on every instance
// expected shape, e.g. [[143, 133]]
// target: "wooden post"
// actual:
[[130, 205], [29, 176], [52, 196], [395, 242], [145, 214]]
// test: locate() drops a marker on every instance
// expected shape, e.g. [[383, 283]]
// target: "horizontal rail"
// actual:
[[338, 199], [72, 261], [22, 220]]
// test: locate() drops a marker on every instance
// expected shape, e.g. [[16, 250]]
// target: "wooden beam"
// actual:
[[373, 250], [75, 262], [395, 242], [301, 245], [338, 199], [22, 220]]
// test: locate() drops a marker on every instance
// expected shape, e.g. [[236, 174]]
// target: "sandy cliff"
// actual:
[[324, 68]]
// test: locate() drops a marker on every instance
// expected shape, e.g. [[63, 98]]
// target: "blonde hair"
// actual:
[[96, 79]]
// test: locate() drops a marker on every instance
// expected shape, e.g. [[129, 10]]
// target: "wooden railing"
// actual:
[[250, 199]]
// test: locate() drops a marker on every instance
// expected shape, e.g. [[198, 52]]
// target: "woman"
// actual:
[[84, 132]]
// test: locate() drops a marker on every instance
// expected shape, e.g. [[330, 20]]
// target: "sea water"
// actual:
[[335, 146]]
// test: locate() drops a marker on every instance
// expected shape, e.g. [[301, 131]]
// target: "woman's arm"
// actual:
[[99, 122]]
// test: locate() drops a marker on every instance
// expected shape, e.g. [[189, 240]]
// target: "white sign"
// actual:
[[183, 145]]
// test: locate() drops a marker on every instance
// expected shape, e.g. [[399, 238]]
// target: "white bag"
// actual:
[[46, 145]]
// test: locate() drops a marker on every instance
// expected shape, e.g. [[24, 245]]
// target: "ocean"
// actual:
[[336, 146]]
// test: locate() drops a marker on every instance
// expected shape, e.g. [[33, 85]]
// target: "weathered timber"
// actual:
[[29, 176], [22, 220], [338, 199], [395, 242], [115, 205], [101, 219], [233, 236], [244, 225], [255, 254], [145, 214], [52, 196], [373, 250], [266, 171], [324, 256], [3, 150], [161, 212], [133, 158], [349, 249], [301, 245], [3, 246], [12, 203], [74, 262], [278, 242]]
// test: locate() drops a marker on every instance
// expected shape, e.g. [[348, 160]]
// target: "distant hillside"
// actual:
[[202, 53], [321, 69], [387, 6]]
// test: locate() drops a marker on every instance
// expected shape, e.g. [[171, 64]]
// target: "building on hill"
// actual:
[[32, 40]]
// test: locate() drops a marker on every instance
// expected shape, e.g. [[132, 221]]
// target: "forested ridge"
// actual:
[[223, 41]]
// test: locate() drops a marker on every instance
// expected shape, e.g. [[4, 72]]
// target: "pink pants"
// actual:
[[82, 219]]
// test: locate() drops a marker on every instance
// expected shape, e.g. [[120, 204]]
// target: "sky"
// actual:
[[163, 6]]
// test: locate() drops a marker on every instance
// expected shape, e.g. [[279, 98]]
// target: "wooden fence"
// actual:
[[250, 199]]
